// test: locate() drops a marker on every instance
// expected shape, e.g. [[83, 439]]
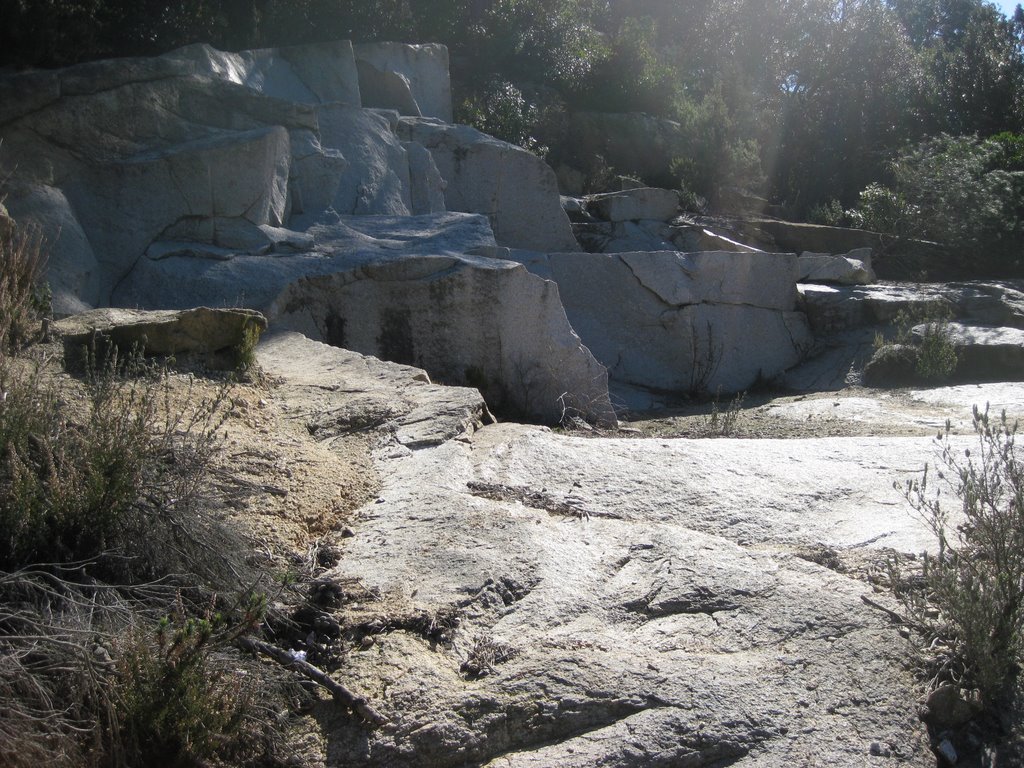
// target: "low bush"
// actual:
[[969, 598], [111, 650]]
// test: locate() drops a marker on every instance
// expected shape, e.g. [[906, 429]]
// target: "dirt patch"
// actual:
[[851, 412]]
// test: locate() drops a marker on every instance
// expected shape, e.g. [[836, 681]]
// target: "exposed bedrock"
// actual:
[[402, 289], [515, 189], [667, 323], [486, 323], [631, 603]]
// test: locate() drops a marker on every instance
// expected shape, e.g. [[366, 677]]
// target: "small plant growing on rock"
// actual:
[[969, 597], [904, 359]]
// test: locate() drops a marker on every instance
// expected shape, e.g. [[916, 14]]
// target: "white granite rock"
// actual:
[[424, 67], [670, 322], [516, 190]]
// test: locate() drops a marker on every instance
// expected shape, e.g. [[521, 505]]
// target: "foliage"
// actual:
[[957, 190], [90, 675], [101, 488], [935, 357], [971, 595], [880, 209], [501, 110], [24, 299], [77, 486], [175, 701], [830, 214]]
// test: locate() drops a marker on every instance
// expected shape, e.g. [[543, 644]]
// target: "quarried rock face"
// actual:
[[667, 322], [422, 68], [486, 323], [245, 179], [516, 190]]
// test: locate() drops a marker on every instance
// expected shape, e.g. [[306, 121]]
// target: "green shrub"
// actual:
[[176, 701], [77, 486], [971, 594], [935, 356], [830, 214]]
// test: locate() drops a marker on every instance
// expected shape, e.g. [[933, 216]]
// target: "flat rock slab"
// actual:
[[633, 204], [633, 603], [219, 334], [338, 393], [985, 353]]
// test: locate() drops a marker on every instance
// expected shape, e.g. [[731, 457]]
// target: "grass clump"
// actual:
[[119, 602], [928, 356], [969, 597]]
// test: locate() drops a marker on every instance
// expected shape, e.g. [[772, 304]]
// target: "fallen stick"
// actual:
[[341, 694]]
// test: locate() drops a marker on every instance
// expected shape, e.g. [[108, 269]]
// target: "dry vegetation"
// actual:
[[145, 530]]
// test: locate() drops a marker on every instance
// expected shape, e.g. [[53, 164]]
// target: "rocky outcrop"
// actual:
[[667, 322], [211, 178], [382, 398], [831, 308], [630, 603], [853, 268], [479, 322], [515, 189], [422, 68]]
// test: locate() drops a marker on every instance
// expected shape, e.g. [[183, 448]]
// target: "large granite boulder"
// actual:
[[853, 268], [480, 322], [667, 322], [205, 177], [516, 190], [402, 288], [424, 68]]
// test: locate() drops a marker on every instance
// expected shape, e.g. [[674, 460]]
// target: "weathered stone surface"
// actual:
[[486, 323], [313, 74], [130, 203], [379, 396], [826, 268], [669, 322], [73, 272], [644, 603], [624, 236], [426, 190], [169, 281], [376, 181], [513, 188], [216, 334], [386, 90], [641, 203], [425, 67]]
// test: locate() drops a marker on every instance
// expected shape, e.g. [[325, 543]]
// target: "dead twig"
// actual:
[[341, 694]]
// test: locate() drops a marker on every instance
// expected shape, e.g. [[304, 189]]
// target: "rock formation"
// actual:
[[321, 185]]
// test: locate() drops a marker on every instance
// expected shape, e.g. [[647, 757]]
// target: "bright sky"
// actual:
[[1007, 6]]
